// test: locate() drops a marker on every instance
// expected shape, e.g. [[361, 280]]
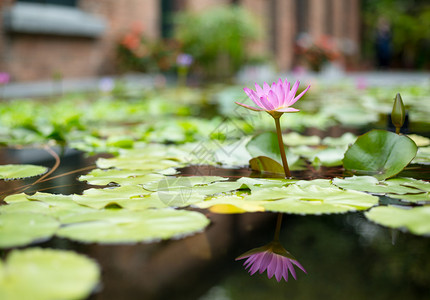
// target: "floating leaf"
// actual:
[[423, 156], [47, 274], [318, 200], [178, 183], [259, 183], [416, 219], [266, 145], [265, 164], [137, 163], [121, 177], [345, 140], [230, 204], [20, 171], [296, 139], [20, 229], [379, 153], [373, 185], [329, 157], [415, 198], [57, 206], [122, 196], [411, 182], [420, 141], [119, 226]]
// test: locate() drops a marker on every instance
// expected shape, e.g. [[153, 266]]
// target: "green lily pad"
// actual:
[[414, 198], [137, 163], [8, 172], [119, 226], [264, 164], [121, 177], [20, 229], [318, 200], [230, 204], [420, 141], [373, 185], [122, 196], [379, 153], [178, 183], [416, 220], [345, 140], [260, 183], [266, 145], [57, 206], [423, 156], [47, 274], [296, 139]]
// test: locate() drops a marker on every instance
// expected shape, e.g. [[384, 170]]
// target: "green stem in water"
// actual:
[[278, 227], [282, 148]]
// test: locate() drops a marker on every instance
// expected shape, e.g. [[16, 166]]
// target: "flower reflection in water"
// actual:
[[272, 257]]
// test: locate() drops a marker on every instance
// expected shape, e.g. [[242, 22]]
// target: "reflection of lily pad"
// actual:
[[19, 229], [47, 274], [416, 219], [20, 171], [119, 226], [379, 153]]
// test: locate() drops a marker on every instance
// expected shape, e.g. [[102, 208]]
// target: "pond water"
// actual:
[[345, 255]]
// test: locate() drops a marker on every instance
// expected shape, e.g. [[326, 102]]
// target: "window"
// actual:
[[71, 3]]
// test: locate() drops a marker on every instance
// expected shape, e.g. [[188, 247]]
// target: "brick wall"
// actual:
[[30, 57], [36, 57]]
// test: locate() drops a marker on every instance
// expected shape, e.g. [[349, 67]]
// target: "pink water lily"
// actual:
[[276, 98], [273, 258]]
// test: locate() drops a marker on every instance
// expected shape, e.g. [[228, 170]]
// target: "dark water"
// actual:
[[346, 256]]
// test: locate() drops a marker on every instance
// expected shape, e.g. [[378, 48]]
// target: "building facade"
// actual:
[[78, 38]]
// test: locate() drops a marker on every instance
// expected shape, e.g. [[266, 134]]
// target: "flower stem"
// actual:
[[282, 148], [278, 227]]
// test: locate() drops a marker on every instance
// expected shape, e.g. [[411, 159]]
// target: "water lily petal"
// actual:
[[273, 99], [253, 96], [254, 268], [292, 93], [265, 261], [271, 268], [259, 90], [280, 93], [291, 268], [250, 107], [279, 268], [286, 91], [266, 88], [266, 103], [299, 96], [287, 109], [299, 265]]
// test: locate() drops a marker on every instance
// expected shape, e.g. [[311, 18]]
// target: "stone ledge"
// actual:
[[53, 20]]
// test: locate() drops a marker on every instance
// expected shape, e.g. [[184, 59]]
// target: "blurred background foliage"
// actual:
[[409, 23], [217, 38]]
